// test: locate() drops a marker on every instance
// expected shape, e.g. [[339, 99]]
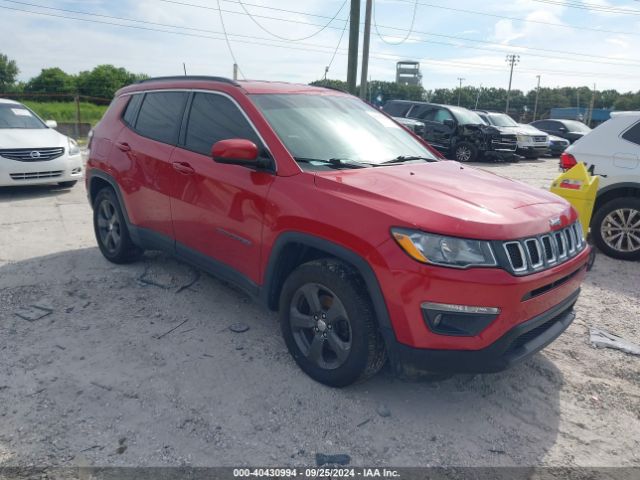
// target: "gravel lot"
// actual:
[[102, 379]]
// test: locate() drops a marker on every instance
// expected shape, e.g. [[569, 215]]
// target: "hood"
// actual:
[[450, 198], [31, 138], [553, 138], [522, 129], [408, 121]]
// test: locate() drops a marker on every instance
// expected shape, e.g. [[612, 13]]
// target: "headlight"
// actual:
[[73, 146], [445, 251], [524, 138]]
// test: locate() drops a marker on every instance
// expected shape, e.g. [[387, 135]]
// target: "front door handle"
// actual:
[[184, 168], [124, 146]]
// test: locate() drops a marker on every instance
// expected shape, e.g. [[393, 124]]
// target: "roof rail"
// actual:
[[190, 77]]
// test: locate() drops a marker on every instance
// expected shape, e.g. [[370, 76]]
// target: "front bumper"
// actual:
[[513, 347], [529, 150], [62, 169]]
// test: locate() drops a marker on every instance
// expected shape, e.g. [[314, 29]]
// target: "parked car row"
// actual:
[[462, 134]]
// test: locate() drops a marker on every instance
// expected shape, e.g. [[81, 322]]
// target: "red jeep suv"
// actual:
[[369, 245]]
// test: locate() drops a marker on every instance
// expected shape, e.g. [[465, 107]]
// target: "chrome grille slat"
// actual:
[[533, 254], [32, 154]]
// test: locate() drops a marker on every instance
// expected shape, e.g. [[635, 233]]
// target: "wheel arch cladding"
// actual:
[[292, 249], [619, 190]]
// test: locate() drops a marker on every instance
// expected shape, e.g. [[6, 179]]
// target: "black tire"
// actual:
[[69, 184], [111, 229], [615, 228], [465, 152], [348, 322]]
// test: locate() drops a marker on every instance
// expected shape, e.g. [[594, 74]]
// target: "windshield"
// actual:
[[327, 127], [15, 115], [501, 120], [575, 126], [466, 117]]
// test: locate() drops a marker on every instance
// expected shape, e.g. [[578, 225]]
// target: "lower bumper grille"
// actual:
[[36, 175]]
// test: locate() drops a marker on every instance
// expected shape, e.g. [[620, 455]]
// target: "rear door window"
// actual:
[[213, 118], [161, 115]]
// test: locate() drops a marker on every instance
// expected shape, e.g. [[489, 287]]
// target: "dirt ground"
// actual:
[[105, 378]]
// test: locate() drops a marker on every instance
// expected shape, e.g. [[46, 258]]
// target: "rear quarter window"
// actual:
[[131, 110], [632, 134], [161, 115], [397, 109]]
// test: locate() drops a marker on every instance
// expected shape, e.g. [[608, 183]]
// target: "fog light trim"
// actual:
[[457, 320], [449, 307]]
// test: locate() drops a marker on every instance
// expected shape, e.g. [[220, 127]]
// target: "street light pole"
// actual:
[[535, 107], [478, 96], [512, 60], [460, 89]]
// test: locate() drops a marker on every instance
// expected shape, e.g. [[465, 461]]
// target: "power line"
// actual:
[[303, 47], [409, 32], [591, 6], [333, 56], [306, 37], [454, 37], [226, 39]]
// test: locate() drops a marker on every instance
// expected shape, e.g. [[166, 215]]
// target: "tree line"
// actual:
[[521, 106], [53, 84]]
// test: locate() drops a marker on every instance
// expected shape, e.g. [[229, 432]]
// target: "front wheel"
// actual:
[[465, 152], [328, 324], [616, 228]]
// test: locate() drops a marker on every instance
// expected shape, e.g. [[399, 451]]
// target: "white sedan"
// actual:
[[32, 152]]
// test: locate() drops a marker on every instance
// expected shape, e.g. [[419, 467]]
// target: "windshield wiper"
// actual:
[[333, 162], [406, 158]]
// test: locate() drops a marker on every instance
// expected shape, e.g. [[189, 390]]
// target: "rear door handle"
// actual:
[[124, 146], [184, 168]]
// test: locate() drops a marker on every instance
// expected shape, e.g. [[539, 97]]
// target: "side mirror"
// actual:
[[51, 124], [238, 151], [449, 123]]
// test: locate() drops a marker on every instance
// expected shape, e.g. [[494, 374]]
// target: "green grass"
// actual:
[[64, 112]]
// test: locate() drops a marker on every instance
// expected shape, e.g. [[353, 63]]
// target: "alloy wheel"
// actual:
[[109, 226], [463, 153], [320, 326], [621, 230]]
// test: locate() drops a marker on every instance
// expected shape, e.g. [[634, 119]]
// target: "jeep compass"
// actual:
[[367, 243]]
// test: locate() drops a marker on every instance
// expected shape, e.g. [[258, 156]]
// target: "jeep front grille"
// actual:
[[530, 255], [32, 154]]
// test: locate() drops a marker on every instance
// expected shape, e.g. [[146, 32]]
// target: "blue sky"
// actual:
[[448, 38]]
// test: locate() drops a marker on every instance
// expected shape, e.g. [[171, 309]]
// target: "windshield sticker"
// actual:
[[21, 112]]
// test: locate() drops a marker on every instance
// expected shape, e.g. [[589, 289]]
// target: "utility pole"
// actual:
[[478, 96], [460, 88], [591, 106], [184, 67], [513, 60], [535, 107], [365, 50], [78, 120], [354, 33], [235, 71]]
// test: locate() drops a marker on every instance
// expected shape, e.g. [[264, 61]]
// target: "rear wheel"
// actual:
[[111, 229], [328, 324], [616, 228], [465, 152]]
